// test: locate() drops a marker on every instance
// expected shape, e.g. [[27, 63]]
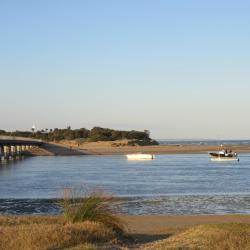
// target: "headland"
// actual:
[[121, 147]]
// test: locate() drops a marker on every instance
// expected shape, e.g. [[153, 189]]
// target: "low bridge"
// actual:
[[14, 147]]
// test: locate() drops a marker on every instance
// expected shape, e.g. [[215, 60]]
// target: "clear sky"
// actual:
[[178, 68]]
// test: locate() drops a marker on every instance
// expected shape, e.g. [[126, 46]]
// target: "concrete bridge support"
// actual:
[[6, 152], [12, 152], [18, 150], [1, 153], [13, 147]]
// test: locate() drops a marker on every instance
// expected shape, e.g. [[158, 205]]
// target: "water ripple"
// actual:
[[167, 205]]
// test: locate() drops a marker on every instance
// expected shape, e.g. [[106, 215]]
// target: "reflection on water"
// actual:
[[170, 184]]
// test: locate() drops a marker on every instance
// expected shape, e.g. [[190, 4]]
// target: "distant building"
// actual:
[[33, 128]]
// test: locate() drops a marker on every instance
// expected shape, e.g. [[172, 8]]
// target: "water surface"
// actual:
[[170, 184]]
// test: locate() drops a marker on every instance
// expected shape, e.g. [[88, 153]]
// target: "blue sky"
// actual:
[[178, 68]]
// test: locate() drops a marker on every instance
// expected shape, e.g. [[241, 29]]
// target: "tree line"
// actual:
[[94, 134]]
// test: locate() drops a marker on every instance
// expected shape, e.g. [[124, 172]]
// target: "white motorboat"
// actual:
[[224, 155], [140, 156]]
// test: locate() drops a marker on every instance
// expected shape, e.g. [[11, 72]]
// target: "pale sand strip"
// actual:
[[173, 149], [106, 148], [160, 224]]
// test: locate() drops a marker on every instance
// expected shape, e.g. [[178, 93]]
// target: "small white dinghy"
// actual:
[[140, 156]]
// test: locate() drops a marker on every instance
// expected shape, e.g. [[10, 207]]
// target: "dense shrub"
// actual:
[[95, 134]]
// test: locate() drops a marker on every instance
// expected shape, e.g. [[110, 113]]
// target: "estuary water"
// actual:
[[170, 184]]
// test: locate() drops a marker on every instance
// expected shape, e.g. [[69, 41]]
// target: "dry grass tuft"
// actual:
[[230, 237], [94, 206], [12, 220], [52, 236]]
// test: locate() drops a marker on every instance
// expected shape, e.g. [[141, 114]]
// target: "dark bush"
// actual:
[[95, 134]]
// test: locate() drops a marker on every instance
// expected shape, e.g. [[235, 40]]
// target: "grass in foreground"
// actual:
[[54, 233], [40, 233], [88, 223], [80, 206], [228, 236]]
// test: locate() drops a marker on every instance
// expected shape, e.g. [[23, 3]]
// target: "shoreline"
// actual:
[[70, 148], [157, 224], [106, 148]]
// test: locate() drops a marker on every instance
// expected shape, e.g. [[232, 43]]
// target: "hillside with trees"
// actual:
[[92, 135]]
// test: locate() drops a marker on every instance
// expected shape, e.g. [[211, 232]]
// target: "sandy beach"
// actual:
[[186, 232], [149, 231], [161, 224], [111, 148]]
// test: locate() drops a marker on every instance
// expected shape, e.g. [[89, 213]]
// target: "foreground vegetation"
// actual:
[[82, 134], [88, 222], [227, 236], [53, 233], [81, 205], [40, 233]]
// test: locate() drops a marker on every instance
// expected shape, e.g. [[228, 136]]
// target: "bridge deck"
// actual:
[[13, 140]]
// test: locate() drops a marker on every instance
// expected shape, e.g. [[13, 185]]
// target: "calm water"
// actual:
[[170, 184]]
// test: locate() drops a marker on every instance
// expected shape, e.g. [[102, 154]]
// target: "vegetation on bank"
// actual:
[[81, 205], [94, 134], [226, 236], [44, 233], [54, 232], [89, 222]]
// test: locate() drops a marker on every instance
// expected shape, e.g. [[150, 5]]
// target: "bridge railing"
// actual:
[[17, 138]]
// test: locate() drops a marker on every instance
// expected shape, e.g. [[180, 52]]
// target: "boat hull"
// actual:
[[224, 159], [140, 156], [224, 156]]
